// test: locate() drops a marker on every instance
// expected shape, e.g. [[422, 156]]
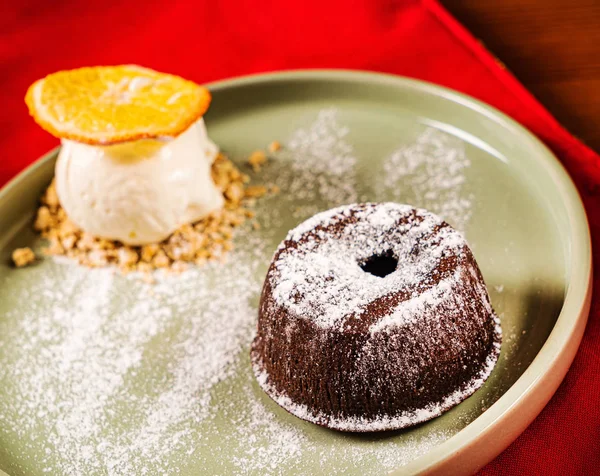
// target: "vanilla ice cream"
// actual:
[[138, 192]]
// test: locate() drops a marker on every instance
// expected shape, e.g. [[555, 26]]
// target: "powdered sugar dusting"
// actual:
[[280, 444], [417, 305], [105, 375], [87, 351], [319, 169], [429, 173], [383, 422], [320, 276]]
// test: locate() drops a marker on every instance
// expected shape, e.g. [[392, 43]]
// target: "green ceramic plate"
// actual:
[[103, 374]]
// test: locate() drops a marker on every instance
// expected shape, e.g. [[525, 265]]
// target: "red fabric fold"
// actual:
[[211, 40]]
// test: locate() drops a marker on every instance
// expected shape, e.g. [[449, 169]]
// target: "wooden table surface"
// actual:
[[552, 46]]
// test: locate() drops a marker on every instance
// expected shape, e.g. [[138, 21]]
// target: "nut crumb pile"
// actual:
[[208, 239]]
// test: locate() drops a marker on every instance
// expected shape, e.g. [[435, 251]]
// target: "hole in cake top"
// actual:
[[380, 264]]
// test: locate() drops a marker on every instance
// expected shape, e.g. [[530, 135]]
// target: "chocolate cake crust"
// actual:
[[374, 317]]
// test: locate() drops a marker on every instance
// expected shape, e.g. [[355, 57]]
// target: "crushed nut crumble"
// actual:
[[208, 239]]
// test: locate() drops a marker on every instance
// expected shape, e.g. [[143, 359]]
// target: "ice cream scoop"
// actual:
[[138, 192]]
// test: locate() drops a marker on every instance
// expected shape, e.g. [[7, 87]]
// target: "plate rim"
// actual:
[[496, 428]]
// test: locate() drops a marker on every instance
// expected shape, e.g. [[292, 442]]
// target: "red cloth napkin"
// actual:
[[210, 40]]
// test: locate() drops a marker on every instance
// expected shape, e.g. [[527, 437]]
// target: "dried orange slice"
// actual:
[[110, 104]]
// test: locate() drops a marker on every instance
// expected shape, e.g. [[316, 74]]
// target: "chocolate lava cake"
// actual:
[[374, 317]]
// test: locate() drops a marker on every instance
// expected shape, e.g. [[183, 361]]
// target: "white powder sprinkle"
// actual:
[[321, 278], [80, 357], [429, 173], [418, 305], [383, 423], [275, 443], [319, 170]]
